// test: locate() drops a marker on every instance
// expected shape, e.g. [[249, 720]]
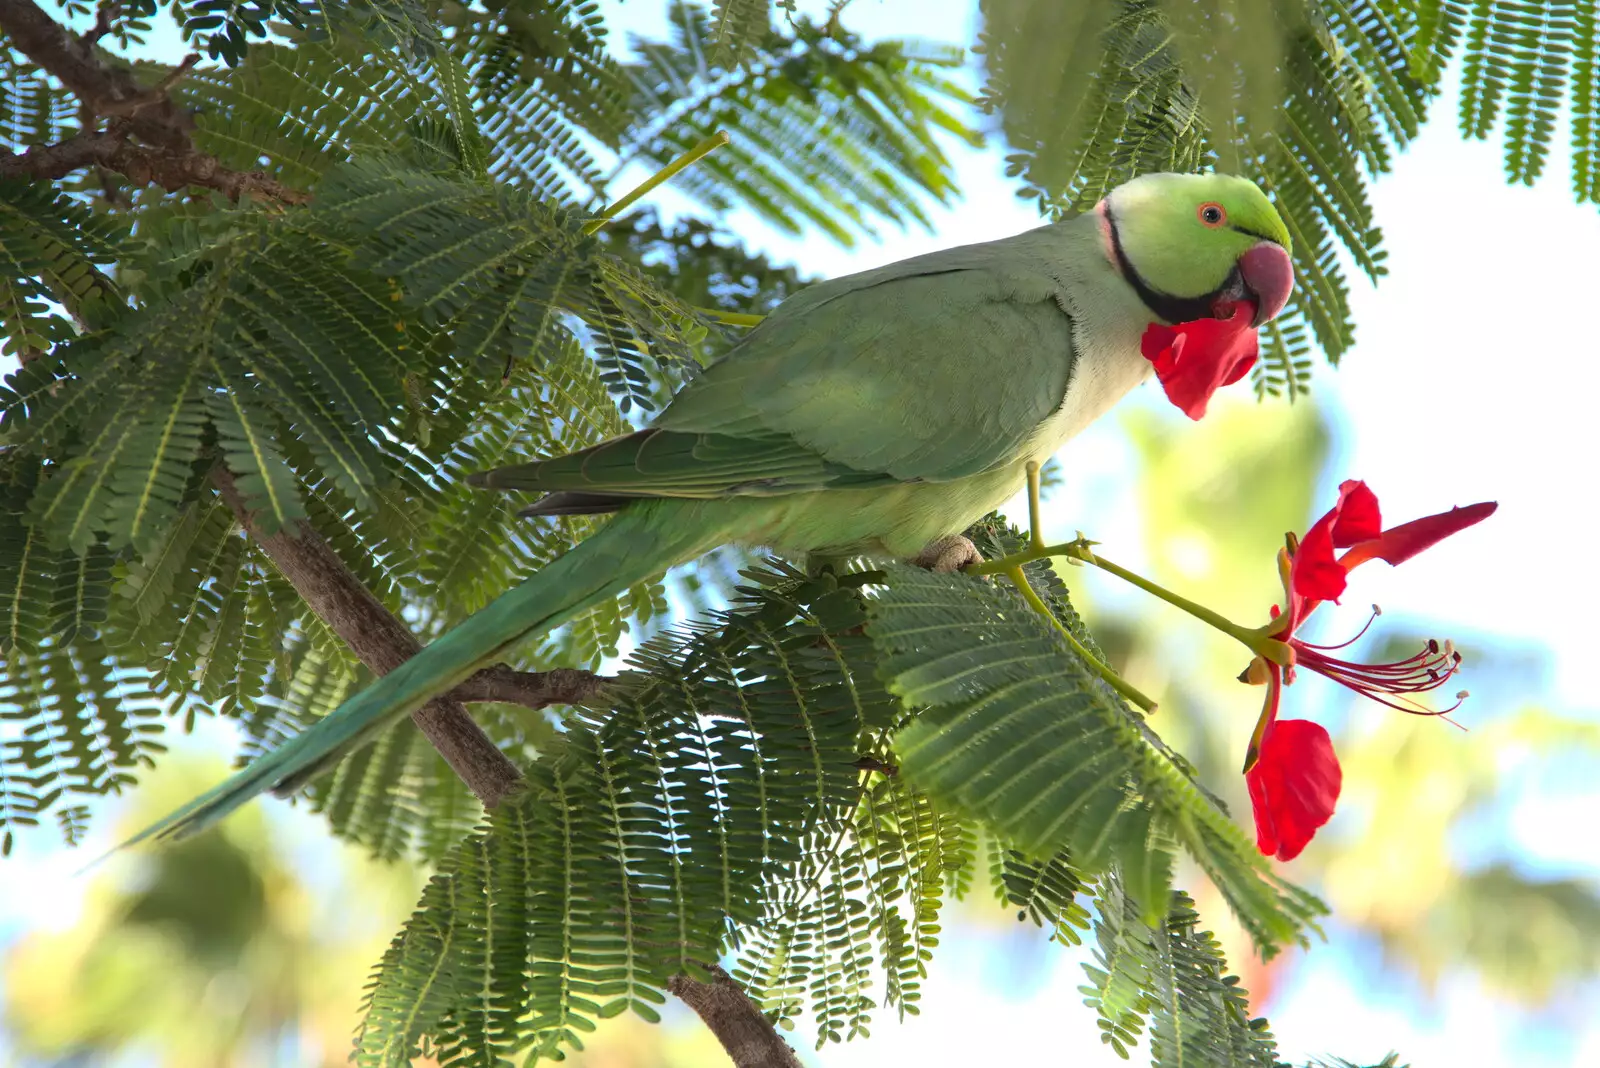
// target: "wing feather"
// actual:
[[935, 375], [930, 369]]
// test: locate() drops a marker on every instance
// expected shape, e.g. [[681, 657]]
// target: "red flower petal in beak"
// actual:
[[1293, 786], [1195, 359]]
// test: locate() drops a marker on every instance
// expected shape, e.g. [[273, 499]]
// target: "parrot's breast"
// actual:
[[1108, 319]]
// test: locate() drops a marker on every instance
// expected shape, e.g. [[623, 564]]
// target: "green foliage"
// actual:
[[717, 790], [1171, 978], [834, 132], [52, 251], [225, 29], [737, 795], [1532, 936], [737, 27]]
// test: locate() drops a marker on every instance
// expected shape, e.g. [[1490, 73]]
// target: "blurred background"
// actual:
[[1462, 869]]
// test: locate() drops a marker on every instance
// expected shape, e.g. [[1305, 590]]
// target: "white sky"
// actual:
[[1473, 379]]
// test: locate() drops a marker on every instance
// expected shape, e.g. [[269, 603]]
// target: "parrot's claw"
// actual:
[[947, 554]]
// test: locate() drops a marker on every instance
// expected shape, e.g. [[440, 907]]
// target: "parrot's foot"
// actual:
[[947, 554]]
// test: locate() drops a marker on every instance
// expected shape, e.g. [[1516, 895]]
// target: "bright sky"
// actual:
[[1472, 380]]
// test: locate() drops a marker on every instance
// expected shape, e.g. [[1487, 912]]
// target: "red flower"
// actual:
[[1290, 766], [1294, 785], [1195, 359]]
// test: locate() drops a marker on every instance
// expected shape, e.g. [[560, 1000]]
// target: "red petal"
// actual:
[[1242, 367], [1401, 543], [1195, 359], [1356, 515], [1314, 574], [1294, 786]]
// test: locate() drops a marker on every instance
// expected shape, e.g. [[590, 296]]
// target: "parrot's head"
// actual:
[[1193, 245]]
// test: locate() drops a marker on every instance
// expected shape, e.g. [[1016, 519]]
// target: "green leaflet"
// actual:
[[226, 30], [250, 449], [736, 29], [86, 722]]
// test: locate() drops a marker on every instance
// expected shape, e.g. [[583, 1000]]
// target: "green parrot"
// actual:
[[877, 414]]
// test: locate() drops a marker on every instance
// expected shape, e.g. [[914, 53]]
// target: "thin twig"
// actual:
[[102, 23]]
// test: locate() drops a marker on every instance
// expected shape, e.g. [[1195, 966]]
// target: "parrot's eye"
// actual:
[[1212, 215]]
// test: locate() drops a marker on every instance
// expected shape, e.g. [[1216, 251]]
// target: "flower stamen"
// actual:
[[1391, 684], [1376, 612]]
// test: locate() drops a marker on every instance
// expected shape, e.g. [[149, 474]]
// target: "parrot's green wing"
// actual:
[[933, 369], [668, 463]]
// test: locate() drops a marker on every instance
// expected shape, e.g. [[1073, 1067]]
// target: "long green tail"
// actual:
[[643, 540]]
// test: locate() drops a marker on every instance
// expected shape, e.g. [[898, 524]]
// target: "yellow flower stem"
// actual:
[[731, 318], [1260, 640], [716, 140], [1078, 550], [1011, 567], [1036, 550], [1117, 682], [1035, 528]]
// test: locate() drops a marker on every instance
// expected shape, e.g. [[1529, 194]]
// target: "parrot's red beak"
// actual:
[[1269, 276]]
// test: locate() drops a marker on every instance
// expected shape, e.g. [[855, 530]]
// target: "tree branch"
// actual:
[[379, 640], [168, 157], [744, 1031], [383, 643], [104, 90], [141, 165], [531, 689]]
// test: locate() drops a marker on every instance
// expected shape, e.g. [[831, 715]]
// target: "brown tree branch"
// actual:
[[380, 641], [531, 689], [139, 113], [142, 165], [103, 89], [741, 1027]]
